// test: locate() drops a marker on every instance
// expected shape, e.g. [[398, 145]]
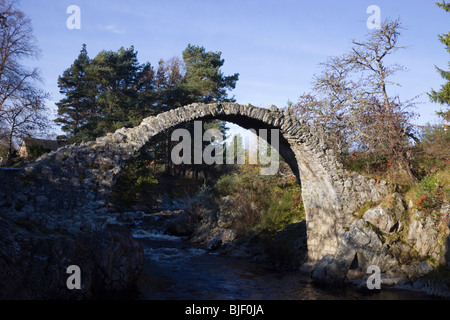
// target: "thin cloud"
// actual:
[[113, 28]]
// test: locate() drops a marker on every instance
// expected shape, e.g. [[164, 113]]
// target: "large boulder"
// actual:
[[387, 216], [34, 261], [288, 249], [329, 271], [429, 234], [402, 243], [359, 248]]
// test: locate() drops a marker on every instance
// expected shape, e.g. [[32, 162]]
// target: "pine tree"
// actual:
[[443, 95], [105, 93], [169, 77], [114, 90], [119, 81], [201, 81], [204, 80], [76, 108]]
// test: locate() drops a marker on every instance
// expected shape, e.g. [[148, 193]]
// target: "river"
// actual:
[[178, 270]]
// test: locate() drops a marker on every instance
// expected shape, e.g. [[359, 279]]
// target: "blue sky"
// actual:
[[275, 46]]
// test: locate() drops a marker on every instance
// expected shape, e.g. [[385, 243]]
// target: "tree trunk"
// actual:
[[10, 144]]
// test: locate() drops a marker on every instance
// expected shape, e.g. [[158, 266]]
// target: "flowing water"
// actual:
[[178, 270]]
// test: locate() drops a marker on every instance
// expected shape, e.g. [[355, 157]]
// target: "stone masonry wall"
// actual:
[[80, 178]]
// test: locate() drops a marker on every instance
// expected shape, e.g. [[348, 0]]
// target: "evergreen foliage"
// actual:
[[442, 96]]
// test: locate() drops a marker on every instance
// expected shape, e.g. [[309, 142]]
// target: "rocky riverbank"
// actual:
[[40, 240], [45, 227], [34, 261], [409, 249]]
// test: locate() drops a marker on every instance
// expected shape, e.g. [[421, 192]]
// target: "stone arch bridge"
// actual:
[[80, 178]]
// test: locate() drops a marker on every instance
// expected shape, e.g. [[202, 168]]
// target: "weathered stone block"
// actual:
[[381, 217]]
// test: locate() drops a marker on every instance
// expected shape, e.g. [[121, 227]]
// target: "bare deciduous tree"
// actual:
[[22, 104], [350, 100]]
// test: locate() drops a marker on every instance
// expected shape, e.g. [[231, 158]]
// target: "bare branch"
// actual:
[[22, 105]]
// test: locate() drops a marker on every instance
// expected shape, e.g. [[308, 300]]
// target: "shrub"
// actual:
[[226, 185], [261, 203], [279, 213], [136, 183], [433, 190], [433, 150]]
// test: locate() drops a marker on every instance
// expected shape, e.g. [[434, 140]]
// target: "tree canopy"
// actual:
[[442, 96], [114, 90]]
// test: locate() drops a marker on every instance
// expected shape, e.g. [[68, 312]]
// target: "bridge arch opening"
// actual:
[[155, 147], [302, 147], [250, 212]]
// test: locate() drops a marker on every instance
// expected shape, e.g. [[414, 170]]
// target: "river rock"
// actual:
[[181, 224], [424, 267], [215, 244], [359, 248], [288, 249], [329, 271], [431, 287]]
